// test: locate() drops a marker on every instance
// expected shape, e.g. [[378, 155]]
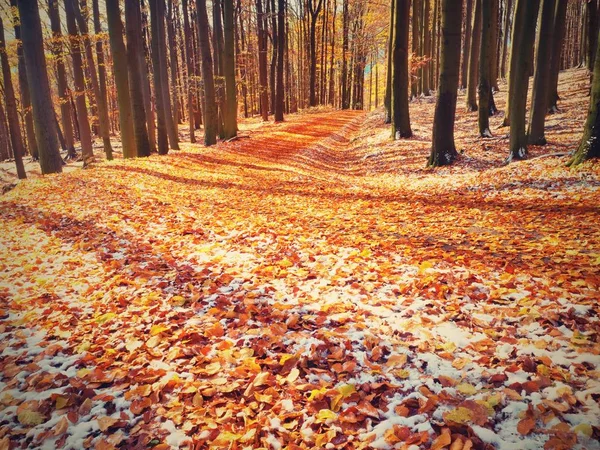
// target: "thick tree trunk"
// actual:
[[210, 106], [61, 78], [521, 59], [592, 36], [590, 141], [387, 100], [279, 94], [401, 118], [230, 116], [474, 57], [11, 108], [443, 149], [485, 58], [120, 73], [85, 132], [133, 27], [539, 103], [39, 87]]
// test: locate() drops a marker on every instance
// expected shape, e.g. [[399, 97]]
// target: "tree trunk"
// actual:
[[401, 119], [473, 57], [173, 64], [39, 87], [101, 64], [160, 84], [210, 106], [189, 62], [133, 28], [262, 61], [11, 108], [387, 100], [426, 48], [520, 62], [314, 8], [590, 141], [494, 50], [485, 58], [120, 73], [331, 61], [230, 113], [539, 102], [279, 95], [416, 32], [146, 88], [443, 149], [344, 76], [85, 133], [61, 78], [592, 36], [91, 67], [558, 37]]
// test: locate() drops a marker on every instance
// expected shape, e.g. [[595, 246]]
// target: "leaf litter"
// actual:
[[300, 289]]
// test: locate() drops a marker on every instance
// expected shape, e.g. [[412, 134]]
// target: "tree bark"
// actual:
[[39, 87], [539, 103], [189, 62], [485, 58], [416, 33], [387, 100], [426, 48], [590, 141], [230, 116], [559, 27], [314, 8], [443, 149], [473, 57], [262, 61], [508, 20], [279, 95], [521, 59], [344, 75], [467, 45], [11, 108], [592, 36], [210, 106], [401, 119], [120, 73], [133, 28]]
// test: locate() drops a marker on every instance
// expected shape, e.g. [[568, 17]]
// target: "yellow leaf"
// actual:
[[317, 393], [285, 263], [424, 266], [324, 415], [178, 300], [585, 429], [61, 401], [30, 418], [82, 372], [157, 329], [102, 319], [293, 375], [83, 347], [346, 390], [460, 415], [366, 253], [284, 358], [466, 389]]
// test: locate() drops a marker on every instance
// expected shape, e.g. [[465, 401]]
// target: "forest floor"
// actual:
[[310, 285]]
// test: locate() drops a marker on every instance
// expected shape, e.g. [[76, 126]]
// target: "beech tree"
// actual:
[[279, 94], [474, 57], [485, 66], [400, 112], [210, 106], [230, 116], [39, 87], [443, 149]]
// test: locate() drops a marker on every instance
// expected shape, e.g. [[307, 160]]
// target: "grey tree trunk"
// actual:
[[443, 149], [39, 87], [401, 118]]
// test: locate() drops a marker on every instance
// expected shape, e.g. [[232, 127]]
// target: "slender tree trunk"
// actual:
[[120, 72], [230, 113], [146, 88], [558, 37], [539, 103], [279, 95], [426, 48], [485, 56], [434, 46], [189, 61], [218, 63], [416, 32], [494, 51], [91, 66], [590, 141], [262, 61], [274, 41], [39, 87], [443, 149], [61, 78], [474, 57], [101, 64], [171, 38], [387, 100], [314, 8], [85, 133], [344, 77], [507, 22], [133, 27], [160, 84], [401, 119], [11, 108], [210, 106], [521, 58], [331, 61]]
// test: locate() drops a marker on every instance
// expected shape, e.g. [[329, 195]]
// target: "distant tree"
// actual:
[[539, 103], [443, 149], [474, 57], [11, 108], [505, 36], [103, 93], [520, 65], [39, 87], [121, 75], [210, 107], [133, 27], [230, 116], [189, 61], [485, 66], [314, 8], [387, 101], [279, 94], [61, 78], [589, 146], [400, 112], [345, 89], [467, 45], [262, 61], [415, 43], [426, 47]]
